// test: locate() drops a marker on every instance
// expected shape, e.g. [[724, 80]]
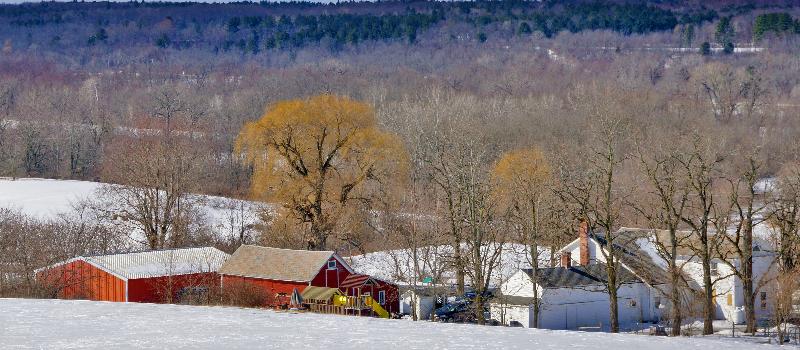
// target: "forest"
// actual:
[[454, 121]]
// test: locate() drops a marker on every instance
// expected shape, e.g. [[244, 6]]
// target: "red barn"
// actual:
[[146, 277], [279, 271], [385, 293]]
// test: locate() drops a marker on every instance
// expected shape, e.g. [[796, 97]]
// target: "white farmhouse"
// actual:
[[728, 287], [574, 295]]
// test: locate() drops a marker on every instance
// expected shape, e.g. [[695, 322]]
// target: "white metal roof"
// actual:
[[159, 263]]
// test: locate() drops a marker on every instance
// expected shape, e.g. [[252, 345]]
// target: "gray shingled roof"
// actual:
[[512, 300], [275, 263], [577, 276], [631, 252]]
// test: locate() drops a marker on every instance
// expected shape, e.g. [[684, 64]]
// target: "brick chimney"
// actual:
[[583, 243], [566, 259]]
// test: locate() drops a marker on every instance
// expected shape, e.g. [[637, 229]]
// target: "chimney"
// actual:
[[566, 259], [583, 235]]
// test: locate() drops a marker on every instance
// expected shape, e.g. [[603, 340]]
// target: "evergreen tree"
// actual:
[[524, 28], [724, 32], [233, 24], [728, 48], [705, 48], [163, 41]]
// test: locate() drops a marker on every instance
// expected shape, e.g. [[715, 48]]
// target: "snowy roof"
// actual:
[[157, 263], [276, 263], [635, 248]]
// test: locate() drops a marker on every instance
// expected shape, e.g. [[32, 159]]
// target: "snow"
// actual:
[[49, 199], [44, 198], [397, 266], [62, 324]]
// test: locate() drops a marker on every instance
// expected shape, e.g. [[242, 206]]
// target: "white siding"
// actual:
[[727, 284], [508, 314]]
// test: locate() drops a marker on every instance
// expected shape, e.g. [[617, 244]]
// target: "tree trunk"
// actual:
[[708, 303], [459, 265], [676, 282], [535, 280], [613, 314], [676, 313], [747, 276]]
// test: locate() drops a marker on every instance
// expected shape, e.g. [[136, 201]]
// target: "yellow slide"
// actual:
[[377, 307], [341, 300]]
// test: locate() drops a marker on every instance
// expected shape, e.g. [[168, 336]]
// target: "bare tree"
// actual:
[[663, 208], [701, 167], [595, 191]]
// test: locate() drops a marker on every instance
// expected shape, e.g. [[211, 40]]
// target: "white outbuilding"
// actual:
[[421, 302]]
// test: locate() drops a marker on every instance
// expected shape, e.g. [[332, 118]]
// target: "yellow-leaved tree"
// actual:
[[323, 159], [523, 189]]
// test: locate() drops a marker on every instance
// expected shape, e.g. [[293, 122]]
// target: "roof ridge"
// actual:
[[146, 251], [291, 250]]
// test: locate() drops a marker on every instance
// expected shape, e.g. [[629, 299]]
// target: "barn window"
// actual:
[[763, 300], [381, 297], [332, 265]]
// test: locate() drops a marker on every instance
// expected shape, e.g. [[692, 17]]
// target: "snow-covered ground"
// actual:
[[48, 199], [62, 324]]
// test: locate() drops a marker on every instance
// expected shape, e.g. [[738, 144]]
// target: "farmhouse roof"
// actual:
[[512, 300], [157, 263], [276, 263], [636, 250], [577, 276]]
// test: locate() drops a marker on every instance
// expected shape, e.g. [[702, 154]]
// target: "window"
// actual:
[[730, 299], [381, 297], [632, 303], [657, 302], [332, 265], [714, 267], [763, 300]]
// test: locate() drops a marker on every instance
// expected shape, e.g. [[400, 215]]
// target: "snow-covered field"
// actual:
[[48, 199], [62, 324]]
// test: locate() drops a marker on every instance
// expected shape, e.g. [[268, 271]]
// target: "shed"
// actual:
[[151, 276], [422, 301]]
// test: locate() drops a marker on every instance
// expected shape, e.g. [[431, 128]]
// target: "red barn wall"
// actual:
[[158, 289], [81, 280], [271, 288], [330, 278]]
